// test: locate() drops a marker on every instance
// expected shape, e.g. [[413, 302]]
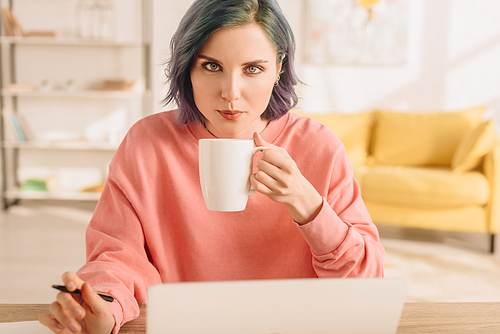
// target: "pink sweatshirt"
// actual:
[[151, 224]]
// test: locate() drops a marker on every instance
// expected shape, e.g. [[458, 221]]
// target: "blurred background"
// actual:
[[76, 74]]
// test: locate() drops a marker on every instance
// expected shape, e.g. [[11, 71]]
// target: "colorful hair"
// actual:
[[205, 17]]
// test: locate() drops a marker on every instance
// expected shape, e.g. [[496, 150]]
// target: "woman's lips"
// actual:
[[230, 114]]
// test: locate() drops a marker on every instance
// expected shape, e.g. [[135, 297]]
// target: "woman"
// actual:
[[231, 74]]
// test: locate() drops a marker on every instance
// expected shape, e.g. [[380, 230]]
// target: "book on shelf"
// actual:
[[13, 27], [12, 123], [9, 31], [37, 184], [17, 126], [9, 131], [11, 23]]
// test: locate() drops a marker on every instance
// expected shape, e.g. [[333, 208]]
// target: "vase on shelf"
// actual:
[[95, 19]]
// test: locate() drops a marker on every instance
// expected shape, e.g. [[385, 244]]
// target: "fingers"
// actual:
[[72, 281], [276, 167], [66, 311], [71, 305], [50, 322], [70, 313], [64, 318]]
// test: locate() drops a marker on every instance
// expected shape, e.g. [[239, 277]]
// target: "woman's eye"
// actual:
[[254, 70], [211, 67]]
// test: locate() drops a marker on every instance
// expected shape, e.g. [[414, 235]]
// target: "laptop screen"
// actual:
[[288, 306]]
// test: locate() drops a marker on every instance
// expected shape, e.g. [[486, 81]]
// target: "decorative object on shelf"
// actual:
[[16, 88], [43, 33], [116, 85], [44, 86], [98, 188], [69, 85], [107, 22], [86, 19], [95, 19], [356, 32]]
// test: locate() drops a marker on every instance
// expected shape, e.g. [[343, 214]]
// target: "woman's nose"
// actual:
[[231, 90]]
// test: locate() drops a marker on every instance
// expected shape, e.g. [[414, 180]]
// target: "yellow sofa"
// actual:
[[431, 170]]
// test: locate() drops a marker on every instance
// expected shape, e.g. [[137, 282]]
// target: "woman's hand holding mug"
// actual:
[[279, 178]]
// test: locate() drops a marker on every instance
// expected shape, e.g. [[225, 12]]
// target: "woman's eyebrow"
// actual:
[[257, 61], [208, 58]]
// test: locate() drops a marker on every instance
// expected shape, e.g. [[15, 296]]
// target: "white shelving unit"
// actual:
[[75, 129]]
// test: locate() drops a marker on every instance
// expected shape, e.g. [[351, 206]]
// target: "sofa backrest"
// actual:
[[401, 138], [420, 139]]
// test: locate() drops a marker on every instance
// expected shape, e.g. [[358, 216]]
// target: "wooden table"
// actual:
[[453, 318]]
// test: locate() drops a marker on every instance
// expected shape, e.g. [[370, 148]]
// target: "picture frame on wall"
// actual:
[[355, 32]]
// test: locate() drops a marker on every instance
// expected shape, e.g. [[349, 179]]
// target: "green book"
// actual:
[[35, 185]]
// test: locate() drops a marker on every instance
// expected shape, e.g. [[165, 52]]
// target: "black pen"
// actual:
[[104, 296]]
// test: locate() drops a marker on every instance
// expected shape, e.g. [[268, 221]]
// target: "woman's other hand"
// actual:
[[87, 313], [279, 178]]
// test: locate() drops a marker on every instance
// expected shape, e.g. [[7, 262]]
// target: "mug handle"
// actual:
[[255, 150]]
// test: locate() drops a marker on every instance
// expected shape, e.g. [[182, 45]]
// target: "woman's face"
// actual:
[[233, 78]]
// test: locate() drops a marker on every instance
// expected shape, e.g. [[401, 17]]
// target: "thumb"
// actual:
[[257, 139]]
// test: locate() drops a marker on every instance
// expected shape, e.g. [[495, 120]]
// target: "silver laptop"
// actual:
[[288, 306]]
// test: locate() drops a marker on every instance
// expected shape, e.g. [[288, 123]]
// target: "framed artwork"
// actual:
[[355, 32]]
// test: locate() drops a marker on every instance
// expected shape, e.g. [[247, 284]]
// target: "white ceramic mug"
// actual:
[[225, 169]]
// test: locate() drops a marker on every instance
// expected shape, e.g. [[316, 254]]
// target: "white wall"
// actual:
[[452, 60], [453, 53], [166, 17]]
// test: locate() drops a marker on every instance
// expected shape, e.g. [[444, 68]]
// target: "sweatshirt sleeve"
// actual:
[[343, 239], [117, 255]]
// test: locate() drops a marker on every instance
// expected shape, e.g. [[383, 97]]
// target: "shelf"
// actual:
[[83, 146], [46, 77], [65, 41], [87, 94], [56, 195]]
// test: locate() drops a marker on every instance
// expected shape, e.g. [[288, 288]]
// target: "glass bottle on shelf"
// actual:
[[107, 21], [87, 19]]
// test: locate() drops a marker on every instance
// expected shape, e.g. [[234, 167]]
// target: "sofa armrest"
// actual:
[[491, 168]]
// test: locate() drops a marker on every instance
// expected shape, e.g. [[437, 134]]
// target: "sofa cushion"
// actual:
[[420, 139], [468, 218], [473, 147], [424, 187], [353, 130]]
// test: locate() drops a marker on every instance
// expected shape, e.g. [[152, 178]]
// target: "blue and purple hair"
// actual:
[[205, 17]]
